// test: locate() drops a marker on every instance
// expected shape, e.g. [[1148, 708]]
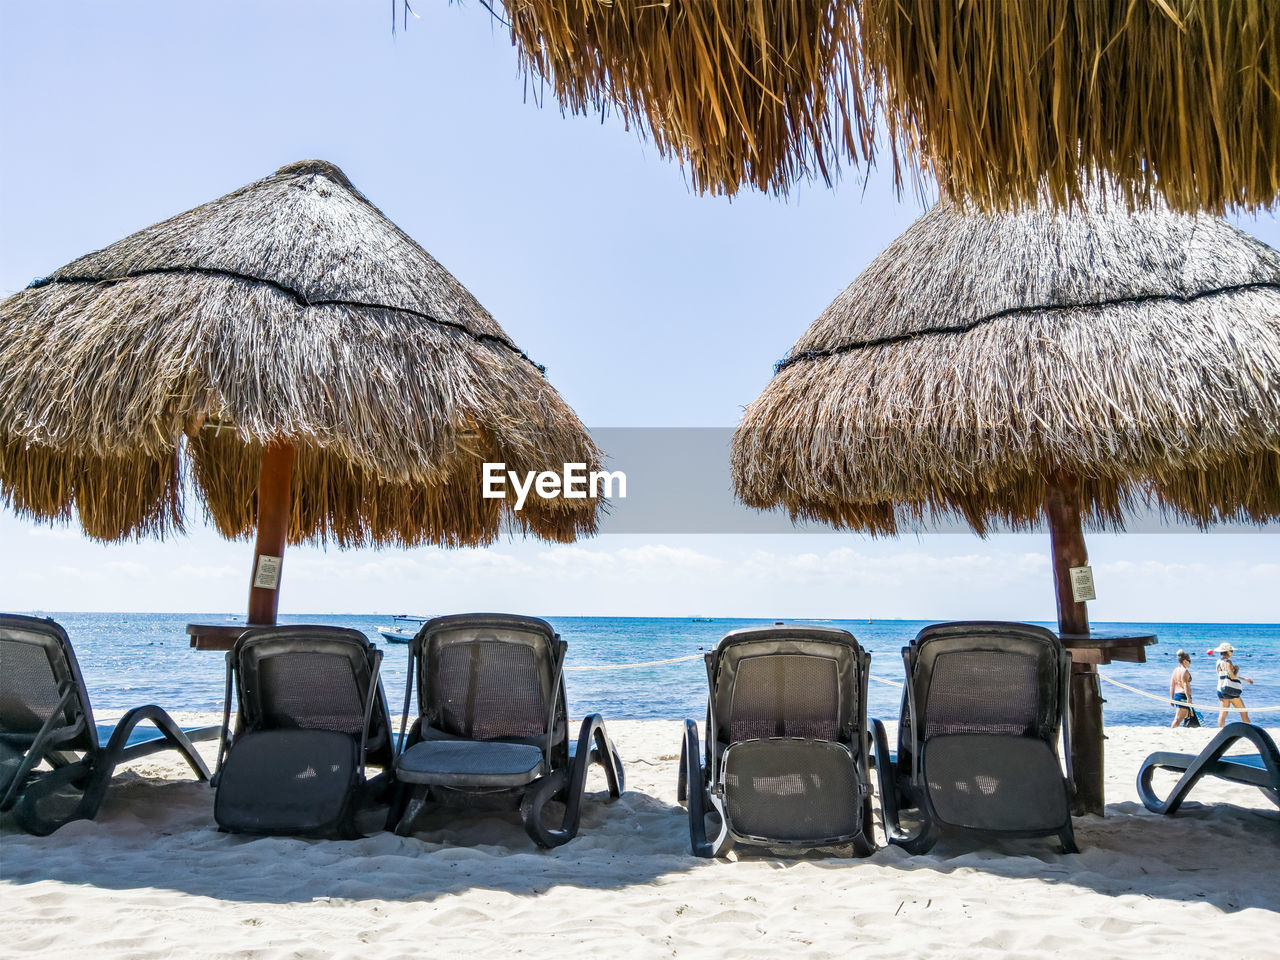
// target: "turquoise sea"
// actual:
[[134, 658]]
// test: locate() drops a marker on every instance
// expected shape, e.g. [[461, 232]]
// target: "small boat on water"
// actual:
[[406, 627]]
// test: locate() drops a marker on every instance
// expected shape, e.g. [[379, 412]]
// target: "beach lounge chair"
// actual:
[[492, 728], [311, 718], [786, 760], [982, 707], [1261, 771], [45, 718]]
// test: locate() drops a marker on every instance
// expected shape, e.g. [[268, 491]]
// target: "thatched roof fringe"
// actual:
[[301, 299], [994, 101], [852, 345], [1005, 102], [744, 93]]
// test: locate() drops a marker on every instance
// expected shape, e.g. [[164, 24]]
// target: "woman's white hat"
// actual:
[[1226, 648]]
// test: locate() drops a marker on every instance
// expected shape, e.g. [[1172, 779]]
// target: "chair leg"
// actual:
[[103, 765], [887, 780], [173, 738], [18, 767], [682, 777], [1067, 835], [923, 841], [603, 752], [699, 799], [88, 776], [93, 775], [398, 800], [1203, 763], [593, 745], [406, 807], [891, 801], [539, 793], [865, 843], [692, 786]]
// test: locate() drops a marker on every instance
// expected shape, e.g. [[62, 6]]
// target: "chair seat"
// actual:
[[993, 782], [790, 791], [470, 763], [291, 782]]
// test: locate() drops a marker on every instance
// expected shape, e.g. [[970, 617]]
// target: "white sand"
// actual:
[[151, 877]]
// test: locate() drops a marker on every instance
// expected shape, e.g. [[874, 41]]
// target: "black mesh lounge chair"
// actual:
[[45, 717], [786, 754], [1261, 771], [311, 718], [978, 736], [492, 727]]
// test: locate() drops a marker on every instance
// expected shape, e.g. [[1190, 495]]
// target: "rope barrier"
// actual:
[[887, 683], [696, 656], [898, 684], [633, 666], [1183, 703]]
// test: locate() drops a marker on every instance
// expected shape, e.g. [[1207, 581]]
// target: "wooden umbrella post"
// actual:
[[274, 487], [1066, 538]]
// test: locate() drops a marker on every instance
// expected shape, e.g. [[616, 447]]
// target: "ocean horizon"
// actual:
[[133, 658]]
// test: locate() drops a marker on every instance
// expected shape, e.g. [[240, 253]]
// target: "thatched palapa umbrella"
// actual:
[[1028, 368], [996, 100], [317, 375]]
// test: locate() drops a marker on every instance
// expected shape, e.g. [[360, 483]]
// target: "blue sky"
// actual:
[[649, 306]]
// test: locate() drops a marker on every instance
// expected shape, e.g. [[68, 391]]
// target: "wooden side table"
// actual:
[[215, 636]]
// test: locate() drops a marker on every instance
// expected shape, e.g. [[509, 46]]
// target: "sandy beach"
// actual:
[[152, 877]]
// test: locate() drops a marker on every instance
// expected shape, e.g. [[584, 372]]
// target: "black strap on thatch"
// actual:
[[999, 314], [298, 297]]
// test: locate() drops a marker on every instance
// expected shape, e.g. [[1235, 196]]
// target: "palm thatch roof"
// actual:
[[745, 93], [977, 357], [995, 101], [289, 310]]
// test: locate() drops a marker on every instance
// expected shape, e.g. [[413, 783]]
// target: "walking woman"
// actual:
[[1229, 689], [1180, 689]]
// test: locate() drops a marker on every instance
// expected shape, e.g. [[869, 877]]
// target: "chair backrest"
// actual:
[[987, 677], [490, 676], [311, 677], [37, 666], [787, 681]]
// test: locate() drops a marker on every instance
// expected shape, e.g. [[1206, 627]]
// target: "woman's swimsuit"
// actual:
[[1179, 696], [1229, 687]]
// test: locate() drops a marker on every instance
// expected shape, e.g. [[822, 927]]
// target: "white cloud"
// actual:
[[660, 557], [848, 566], [567, 557]]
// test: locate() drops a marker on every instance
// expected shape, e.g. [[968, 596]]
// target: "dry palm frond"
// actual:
[[290, 309], [756, 93], [977, 356], [1174, 98], [994, 100]]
